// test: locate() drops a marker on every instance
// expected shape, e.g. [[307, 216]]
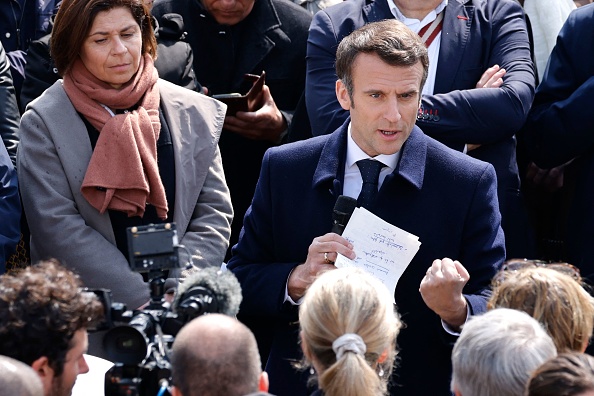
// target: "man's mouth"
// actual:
[[388, 133]]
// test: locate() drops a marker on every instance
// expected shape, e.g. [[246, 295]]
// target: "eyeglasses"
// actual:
[[519, 264]]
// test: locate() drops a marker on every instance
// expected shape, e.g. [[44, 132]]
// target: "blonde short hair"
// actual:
[[556, 300]]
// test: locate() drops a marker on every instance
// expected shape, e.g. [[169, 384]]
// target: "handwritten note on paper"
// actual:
[[382, 249]]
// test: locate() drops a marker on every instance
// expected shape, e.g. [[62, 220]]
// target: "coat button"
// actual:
[[7, 34]]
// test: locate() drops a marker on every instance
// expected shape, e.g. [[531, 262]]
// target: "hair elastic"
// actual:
[[348, 342]]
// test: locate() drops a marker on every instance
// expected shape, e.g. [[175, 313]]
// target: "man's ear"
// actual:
[[45, 372], [263, 384], [342, 94]]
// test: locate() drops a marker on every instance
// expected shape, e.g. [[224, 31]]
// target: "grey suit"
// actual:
[[53, 156]]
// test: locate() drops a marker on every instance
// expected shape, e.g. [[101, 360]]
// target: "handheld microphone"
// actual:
[[343, 209], [208, 290]]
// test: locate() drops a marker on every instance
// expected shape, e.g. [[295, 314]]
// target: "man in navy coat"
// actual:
[[447, 199], [560, 128], [478, 92]]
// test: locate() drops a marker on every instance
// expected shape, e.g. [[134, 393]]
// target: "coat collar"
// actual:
[[330, 168], [262, 33], [413, 159]]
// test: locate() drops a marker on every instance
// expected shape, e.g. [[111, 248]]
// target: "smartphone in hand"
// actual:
[[251, 101]]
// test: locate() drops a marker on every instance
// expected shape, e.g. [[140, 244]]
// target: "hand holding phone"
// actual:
[[251, 101]]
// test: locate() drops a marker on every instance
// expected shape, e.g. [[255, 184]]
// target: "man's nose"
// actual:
[[83, 367], [392, 111]]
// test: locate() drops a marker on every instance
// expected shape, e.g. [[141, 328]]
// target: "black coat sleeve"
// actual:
[[9, 112], [40, 72]]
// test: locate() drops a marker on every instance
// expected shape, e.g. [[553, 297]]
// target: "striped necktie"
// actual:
[[429, 32]]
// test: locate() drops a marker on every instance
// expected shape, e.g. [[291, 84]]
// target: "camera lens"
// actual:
[[126, 345]]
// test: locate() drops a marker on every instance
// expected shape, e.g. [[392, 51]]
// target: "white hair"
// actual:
[[497, 352]]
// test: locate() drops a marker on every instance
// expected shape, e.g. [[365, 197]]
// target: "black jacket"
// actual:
[[18, 28], [15, 18], [9, 113]]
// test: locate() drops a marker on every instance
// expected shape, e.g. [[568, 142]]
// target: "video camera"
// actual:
[[139, 341]]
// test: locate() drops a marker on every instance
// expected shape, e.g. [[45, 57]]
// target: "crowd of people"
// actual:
[[460, 122]]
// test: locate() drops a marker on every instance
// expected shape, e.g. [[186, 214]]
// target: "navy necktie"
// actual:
[[370, 170]]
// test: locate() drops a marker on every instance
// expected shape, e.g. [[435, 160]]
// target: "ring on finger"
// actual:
[[327, 260]]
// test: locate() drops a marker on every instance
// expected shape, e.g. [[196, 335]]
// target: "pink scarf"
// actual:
[[123, 173]]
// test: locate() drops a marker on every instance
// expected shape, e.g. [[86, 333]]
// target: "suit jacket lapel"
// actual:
[[184, 149], [454, 37], [194, 139]]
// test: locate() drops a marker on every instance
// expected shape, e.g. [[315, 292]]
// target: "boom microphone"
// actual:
[[208, 290], [343, 209]]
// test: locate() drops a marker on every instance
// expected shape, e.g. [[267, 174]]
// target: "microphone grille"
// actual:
[[345, 204]]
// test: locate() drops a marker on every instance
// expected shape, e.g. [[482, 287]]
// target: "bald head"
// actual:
[[18, 379], [217, 355]]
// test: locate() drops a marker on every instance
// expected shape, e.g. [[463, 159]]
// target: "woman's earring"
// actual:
[[381, 372], [312, 371]]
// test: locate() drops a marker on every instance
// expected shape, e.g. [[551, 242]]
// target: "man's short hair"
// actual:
[[41, 308], [390, 39], [555, 299], [569, 374], [215, 355], [497, 351], [18, 379]]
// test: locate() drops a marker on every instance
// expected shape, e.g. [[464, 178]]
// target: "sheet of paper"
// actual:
[[382, 249]]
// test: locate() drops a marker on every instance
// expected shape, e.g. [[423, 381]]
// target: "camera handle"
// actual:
[[157, 289]]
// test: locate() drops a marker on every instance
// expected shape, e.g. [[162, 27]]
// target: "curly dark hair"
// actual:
[[41, 308]]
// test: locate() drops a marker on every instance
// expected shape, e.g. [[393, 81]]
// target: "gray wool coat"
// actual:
[[52, 160]]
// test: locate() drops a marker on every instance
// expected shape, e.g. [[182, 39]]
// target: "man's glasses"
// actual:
[[519, 264]]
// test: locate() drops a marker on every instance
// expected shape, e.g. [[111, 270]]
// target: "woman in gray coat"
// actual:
[[112, 146]]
